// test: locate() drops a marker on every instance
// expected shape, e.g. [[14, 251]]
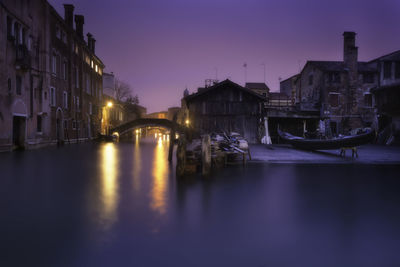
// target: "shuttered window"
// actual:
[[334, 99]]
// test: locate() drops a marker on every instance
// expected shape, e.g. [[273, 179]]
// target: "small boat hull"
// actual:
[[335, 143]]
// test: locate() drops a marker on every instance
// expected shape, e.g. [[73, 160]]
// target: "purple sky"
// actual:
[[161, 46]]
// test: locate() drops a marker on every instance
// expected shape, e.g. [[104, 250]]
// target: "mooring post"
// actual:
[[181, 156], [205, 154], [171, 144], [172, 137]]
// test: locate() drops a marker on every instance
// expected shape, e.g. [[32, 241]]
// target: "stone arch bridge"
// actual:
[[148, 122]]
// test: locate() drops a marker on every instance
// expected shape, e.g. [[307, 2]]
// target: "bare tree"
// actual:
[[122, 90], [134, 100]]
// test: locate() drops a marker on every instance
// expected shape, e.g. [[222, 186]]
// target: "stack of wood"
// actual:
[[231, 147]]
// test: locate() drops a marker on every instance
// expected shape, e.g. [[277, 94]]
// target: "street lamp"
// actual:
[[106, 117]]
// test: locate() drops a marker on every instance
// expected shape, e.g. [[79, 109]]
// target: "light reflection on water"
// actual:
[[160, 176], [109, 184], [258, 215], [137, 164]]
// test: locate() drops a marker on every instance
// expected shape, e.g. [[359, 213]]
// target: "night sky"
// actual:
[[162, 46]]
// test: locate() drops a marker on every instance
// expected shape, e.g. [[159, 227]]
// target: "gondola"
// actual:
[[327, 144]]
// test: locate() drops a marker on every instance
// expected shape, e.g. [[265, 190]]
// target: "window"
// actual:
[[90, 108], [97, 68], [76, 77], [65, 100], [9, 86], [77, 102], [30, 42], [52, 96], [18, 85], [310, 79], [368, 77], [73, 124], [23, 33], [87, 83], [58, 32], [16, 32], [39, 123], [65, 125], [91, 64], [54, 64], [368, 100], [397, 70], [65, 70], [9, 28], [204, 108], [387, 69], [334, 77], [64, 37], [334, 99]]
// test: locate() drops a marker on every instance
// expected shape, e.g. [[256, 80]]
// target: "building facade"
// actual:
[[225, 107], [387, 97], [51, 78], [259, 88], [116, 112], [339, 90]]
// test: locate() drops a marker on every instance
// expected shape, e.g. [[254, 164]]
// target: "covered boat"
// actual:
[[325, 144]]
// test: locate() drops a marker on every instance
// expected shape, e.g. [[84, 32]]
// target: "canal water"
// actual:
[[120, 205]]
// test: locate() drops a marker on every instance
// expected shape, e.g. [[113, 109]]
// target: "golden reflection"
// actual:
[[158, 192], [109, 171], [137, 163]]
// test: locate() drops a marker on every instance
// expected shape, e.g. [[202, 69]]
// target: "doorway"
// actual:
[[19, 132]]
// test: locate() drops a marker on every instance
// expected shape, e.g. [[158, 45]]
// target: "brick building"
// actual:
[[51, 78], [339, 90]]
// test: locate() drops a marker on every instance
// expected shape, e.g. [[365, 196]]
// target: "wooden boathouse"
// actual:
[[226, 107]]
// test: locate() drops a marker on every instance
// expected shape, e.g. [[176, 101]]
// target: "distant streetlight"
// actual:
[[109, 104], [187, 122]]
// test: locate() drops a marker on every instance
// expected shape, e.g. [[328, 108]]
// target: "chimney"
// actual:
[[89, 40], [350, 52], [350, 61], [69, 15], [79, 21], [94, 46]]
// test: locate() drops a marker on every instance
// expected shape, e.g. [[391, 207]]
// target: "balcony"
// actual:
[[23, 58]]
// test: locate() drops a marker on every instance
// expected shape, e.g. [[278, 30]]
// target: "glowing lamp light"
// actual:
[[187, 122], [109, 104]]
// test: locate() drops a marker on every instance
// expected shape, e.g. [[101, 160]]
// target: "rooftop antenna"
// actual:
[[245, 72]]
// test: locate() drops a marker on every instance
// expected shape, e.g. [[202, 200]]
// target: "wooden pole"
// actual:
[[181, 156], [172, 138], [171, 143]]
